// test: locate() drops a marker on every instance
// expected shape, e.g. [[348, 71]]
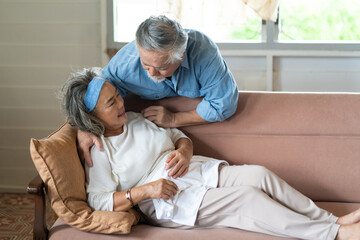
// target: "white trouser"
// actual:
[[253, 198]]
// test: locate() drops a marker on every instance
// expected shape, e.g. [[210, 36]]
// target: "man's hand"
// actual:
[[85, 141], [167, 119], [160, 116]]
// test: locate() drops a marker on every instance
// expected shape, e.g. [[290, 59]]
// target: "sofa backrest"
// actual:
[[312, 140]]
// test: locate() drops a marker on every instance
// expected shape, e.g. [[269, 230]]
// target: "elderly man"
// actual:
[[166, 61]]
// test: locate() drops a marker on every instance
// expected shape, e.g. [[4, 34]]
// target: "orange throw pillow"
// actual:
[[57, 161]]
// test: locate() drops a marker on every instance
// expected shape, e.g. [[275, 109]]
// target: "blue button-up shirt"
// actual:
[[202, 73]]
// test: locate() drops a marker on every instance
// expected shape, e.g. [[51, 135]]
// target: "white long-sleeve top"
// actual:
[[137, 156]]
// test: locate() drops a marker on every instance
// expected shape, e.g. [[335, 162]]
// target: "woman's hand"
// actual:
[[179, 160], [85, 141], [161, 188]]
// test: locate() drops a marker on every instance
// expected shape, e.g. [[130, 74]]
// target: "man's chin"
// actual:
[[157, 79]]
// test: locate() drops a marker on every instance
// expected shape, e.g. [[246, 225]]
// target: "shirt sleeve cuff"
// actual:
[[176, 134], [101, 201], [208, 112]]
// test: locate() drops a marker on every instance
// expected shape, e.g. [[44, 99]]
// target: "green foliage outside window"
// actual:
[[249, 31], [320, 20]]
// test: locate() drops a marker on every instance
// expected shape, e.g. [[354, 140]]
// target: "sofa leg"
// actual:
[[36, 187], [40, 229]]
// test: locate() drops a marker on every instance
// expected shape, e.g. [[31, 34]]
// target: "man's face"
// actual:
[[155, 64]]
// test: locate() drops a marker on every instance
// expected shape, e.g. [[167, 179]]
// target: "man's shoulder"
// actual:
[[123, 63], [195, 33], [195, 36], [127, 53], [200, 46]]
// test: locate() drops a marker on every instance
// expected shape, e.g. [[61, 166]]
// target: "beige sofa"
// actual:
[[312, 140]]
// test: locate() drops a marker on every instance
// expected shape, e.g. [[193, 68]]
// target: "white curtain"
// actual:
[[266, 9], [194, 12]]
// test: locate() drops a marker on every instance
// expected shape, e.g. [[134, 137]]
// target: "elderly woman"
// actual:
[[139, 156]]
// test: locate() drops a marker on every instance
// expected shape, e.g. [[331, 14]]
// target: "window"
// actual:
[[320, 20], [313, 46], [302, 24], [221, 20]]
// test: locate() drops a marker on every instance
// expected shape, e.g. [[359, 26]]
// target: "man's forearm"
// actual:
[[188, 118]]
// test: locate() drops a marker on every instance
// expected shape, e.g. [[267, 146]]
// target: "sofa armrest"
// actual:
[[37, 188]]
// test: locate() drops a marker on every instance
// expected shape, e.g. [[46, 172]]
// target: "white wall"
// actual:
[[248, 71], [40, 43], [313, 71], [334, 74]]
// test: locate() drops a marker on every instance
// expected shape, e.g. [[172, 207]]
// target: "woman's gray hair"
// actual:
[[72, 97], [162, 34]]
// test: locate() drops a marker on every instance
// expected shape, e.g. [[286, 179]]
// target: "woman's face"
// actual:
[[110, 110]]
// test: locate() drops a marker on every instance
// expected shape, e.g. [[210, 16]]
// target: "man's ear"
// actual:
[[183, 55]]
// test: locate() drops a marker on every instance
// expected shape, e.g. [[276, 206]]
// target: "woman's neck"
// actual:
[[113, 132]]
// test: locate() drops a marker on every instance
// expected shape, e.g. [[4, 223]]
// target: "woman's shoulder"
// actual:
[[136, 119], [134, 116]]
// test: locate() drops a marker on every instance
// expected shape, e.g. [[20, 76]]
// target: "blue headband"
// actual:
[[93, 92]]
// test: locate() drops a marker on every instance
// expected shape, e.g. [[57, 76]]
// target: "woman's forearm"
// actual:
[[162, 188], [137, 195], [185, 145]]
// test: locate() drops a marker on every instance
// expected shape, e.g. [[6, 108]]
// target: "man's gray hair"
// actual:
[[162, 34], [72, 97]]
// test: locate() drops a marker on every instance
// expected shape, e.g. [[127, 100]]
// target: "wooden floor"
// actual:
[[17, 216]]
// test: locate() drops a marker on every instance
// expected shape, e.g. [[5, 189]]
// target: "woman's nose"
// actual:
[[120, 102]]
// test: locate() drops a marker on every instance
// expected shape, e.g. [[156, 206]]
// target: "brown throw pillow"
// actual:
[[57, 161]]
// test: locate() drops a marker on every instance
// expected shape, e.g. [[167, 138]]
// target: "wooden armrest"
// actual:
[[37, 188]]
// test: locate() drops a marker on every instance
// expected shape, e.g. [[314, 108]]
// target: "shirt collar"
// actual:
[[185, 62]]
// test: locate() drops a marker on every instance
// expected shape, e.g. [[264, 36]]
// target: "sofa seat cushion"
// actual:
[[61, 230], [58, 164]]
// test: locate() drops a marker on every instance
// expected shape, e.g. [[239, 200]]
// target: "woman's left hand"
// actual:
[[179, 160]]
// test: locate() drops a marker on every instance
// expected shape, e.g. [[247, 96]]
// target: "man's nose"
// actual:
[[153, 72]]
